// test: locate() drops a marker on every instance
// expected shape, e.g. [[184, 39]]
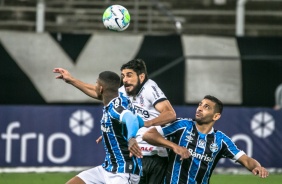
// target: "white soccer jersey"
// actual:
[[148, 96]]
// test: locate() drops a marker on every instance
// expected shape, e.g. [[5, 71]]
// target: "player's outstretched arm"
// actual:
[[88, 89], [253, 166], [167, 114], [152, 136]]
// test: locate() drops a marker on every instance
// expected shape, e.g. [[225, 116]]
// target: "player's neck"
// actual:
[[204, 128], [108, 97]]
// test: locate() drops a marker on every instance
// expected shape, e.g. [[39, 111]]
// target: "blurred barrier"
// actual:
[[185, 67], [63, 137]]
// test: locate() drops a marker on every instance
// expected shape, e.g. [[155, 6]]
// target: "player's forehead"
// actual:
[[207, 102], [128, 72]]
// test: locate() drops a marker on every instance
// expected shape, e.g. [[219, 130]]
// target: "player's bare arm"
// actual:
[[167, 114], [88, 89], [99, 139], [253, 166], [153, 137]]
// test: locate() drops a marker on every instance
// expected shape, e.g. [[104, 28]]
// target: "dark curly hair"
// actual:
[[137, 65]]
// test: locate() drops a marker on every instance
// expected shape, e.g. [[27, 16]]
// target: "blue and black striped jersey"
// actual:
[[115, 142], [205, 149]]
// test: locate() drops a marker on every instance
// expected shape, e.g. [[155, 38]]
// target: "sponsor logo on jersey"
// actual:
[[105, 117], [156, 91], [202, 143], [117, 102], [200, 156], [190, 133], [147, 148], [214, 147], [105, 129], [141, 100], [144, 113], [189, 138]]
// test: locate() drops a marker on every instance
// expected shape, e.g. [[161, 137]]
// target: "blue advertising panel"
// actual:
[[55, 136], [50, 136]]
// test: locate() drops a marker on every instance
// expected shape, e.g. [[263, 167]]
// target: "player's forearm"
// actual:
[[87, 89], [162, 119], [248, 162], [251, 164], [153, 137]]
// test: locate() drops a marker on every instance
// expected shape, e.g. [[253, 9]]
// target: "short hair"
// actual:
[[137, 65], [110, 80], [218, 103]]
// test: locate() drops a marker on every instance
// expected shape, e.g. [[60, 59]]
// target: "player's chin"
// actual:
[[128, 89]]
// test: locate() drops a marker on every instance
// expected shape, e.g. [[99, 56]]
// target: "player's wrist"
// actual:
[[147, 124]]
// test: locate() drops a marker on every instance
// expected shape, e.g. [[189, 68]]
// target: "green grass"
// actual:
[[35, 178], [61, 178], [245, 179]]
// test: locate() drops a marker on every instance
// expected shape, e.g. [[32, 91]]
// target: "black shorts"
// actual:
[[154, 169]]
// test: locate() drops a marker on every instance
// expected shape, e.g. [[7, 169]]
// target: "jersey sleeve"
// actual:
[[156, 94], [173, 127], [132, 123], [117, 109], [229, 149]]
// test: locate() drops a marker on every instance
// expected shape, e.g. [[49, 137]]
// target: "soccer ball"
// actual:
[[116, 18]]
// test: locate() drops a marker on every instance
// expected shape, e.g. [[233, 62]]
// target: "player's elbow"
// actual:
[[146, 136], [172, 116]]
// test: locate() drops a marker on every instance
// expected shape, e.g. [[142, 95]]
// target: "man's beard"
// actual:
[[135, 90], [203, 120]]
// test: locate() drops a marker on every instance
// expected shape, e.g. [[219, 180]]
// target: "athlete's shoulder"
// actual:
[[122, 89], [151, 87], [186, 120], [222, 135], [182, 122], [150, 82]]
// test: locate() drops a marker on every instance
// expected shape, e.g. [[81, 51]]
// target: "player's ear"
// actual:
[[101, 89], [216, 116], [142, 77]]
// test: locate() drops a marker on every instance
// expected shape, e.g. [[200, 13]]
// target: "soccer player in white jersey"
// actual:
[[150, 104], [119, 166], [197, 147]]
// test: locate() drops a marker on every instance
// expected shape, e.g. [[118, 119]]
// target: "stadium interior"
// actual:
[[229, 48], [211, 17]]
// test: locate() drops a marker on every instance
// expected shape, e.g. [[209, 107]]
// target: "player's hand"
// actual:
[[99, 139], [182, 152], [260, 171], [134, 148], [64, 74]]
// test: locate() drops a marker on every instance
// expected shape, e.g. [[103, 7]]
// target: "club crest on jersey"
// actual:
[[141, 100], [202, 143], [214, 147]]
